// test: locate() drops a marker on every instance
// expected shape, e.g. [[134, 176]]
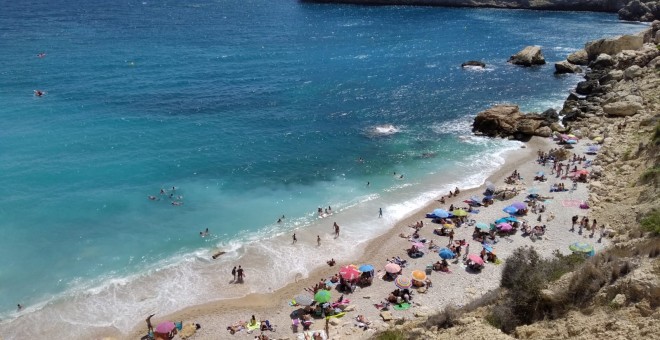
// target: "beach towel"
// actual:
[[402, 306], [571, 203], [338, 315], [250, 327]]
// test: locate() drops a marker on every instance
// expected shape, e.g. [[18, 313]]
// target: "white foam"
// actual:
[[384, 130]]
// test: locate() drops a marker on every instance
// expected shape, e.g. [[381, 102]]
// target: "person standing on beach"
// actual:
[[318, 240], [451, 236], [294, 238], [233, 273], [467, 251], [240, 274], [336, 230], [380, 212], [150, 328]]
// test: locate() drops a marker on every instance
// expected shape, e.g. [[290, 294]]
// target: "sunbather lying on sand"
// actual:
[[236, 327]]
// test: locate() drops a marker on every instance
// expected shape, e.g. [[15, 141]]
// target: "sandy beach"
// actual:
[[456, 288]]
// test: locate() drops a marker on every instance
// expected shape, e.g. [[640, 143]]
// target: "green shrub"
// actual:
[[445, 319], [651, 222], [391, 335]]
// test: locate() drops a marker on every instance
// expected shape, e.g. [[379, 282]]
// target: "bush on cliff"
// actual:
[[651, 222]]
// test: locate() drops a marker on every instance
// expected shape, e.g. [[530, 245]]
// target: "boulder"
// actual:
[[616, 75], [632, 72], [602, 61], [622, 108], [566, 67], [543, 131], [528, 126], [550, 115], [636, 11], [657, 37], [528, 56], [498, 120], [473, 63], [613, 46], [558, 127], [586, 86], [387, 316], [578, 58]]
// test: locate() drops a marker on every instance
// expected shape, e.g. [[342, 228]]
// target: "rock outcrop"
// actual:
[[578, 58], [508, 121], [613, 46], [528, 56], [474, 63], [637, 10], [566, 67]]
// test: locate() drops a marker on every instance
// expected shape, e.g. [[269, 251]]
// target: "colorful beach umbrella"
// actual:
[[322, 296], [392, 268], [482, 226], [441, 213], [165, 327], [403, 282], [581, 247], [366, 268], [510, 209], [488, 248], [418, 244], [349, 272], [418, 275], [519, 205], [446, 253], [304, 299], [459, 213], [449, 225], [504, 227], [475, 258]]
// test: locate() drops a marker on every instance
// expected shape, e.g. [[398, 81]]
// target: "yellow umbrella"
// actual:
[[418, 275], [448, 226], [459, 213]]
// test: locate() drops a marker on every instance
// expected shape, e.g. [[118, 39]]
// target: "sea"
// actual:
[[162, 118]]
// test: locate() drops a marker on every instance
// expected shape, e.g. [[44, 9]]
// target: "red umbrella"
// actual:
[[349, 272], [476, 259]]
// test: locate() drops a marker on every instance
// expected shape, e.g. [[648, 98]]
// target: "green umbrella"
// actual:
[[581, 247], [322, 296], [459, 213]]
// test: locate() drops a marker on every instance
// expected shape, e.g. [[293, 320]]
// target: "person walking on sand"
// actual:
[[380, 212], [467, 251], [451, 236], [233, 273], [318, 240], [240, 274], [336, 230], [294, 238], [150, 328]]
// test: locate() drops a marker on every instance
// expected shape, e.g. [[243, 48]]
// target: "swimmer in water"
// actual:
[[177, 203], [41, 55], [39, 93], [153, 198]]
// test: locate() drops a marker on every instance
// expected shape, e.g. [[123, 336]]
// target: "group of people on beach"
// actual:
[[238, 274]]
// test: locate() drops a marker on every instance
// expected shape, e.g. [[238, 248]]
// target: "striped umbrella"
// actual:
[[403, 282]]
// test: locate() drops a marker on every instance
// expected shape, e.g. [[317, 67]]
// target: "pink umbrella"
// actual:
[[476, 259], [418, 244], [392, 268], [165, 327], [519, 205], [504, 227], [349, 272]]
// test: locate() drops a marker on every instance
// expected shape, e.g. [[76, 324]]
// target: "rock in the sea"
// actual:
[[578, 58], [613, 46], [473, 63], [530, 55], [622, 108], [566, 67], [508, 121]]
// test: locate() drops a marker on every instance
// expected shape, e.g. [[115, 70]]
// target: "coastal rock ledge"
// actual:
[[508, 121], [529, 56]]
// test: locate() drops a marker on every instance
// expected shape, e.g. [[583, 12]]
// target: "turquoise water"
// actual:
[[252, 110]]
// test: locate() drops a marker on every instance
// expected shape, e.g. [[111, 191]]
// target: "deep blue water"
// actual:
[[252, 109]]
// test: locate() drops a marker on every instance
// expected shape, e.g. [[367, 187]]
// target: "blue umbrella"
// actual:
[[441, 213], [446, 254], [510, 210], [540, 173], [474, 198], [488, 248], [366, 268]]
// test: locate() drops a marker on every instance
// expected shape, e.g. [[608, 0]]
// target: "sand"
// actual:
[[449, 289]]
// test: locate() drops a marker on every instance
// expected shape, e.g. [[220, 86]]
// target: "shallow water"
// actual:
[[252, 110]]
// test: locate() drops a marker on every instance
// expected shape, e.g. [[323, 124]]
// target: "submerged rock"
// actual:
[[473, 63], [529, 56]]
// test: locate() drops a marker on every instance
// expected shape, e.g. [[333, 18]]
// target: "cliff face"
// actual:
[[555, 5]]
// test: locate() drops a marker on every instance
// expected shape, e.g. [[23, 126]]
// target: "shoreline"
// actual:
[[375, 252]]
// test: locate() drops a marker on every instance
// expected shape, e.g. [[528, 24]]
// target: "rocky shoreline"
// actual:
[[620, 107], [634, 10]]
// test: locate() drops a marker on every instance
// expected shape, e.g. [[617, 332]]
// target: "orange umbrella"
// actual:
[[418, 275]]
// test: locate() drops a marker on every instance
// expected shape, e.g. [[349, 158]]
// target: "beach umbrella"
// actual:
[[519, 205], [475, 258], [488, 248], [540, 173], [418, 275], [392, 268], [322, 296], [593, 148], [403, 282], [482, 226], [446, 253], [571, 141], [475, 199], [581, 247], [459, 213], [366, 268], [510, 209], [441, 213], [349, 272], [490, 186], [533, 190], [165, 327], [304, 299], [418, 244], [449, 225], [504, 227]]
